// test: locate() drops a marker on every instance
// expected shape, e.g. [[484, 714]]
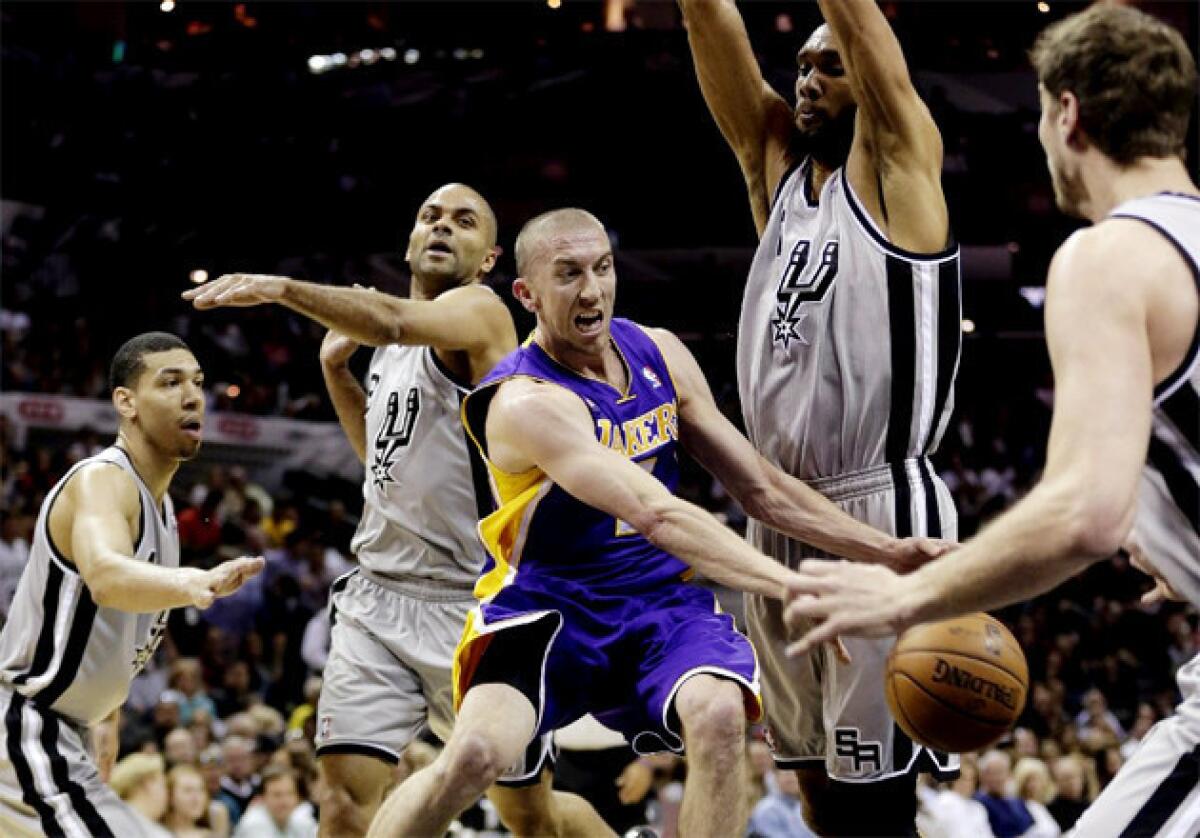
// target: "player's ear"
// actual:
[[123, 401], [489, 261], [1067, 119], [521, 290]]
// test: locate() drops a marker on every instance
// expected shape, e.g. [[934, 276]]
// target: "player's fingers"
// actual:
[[840, 650]]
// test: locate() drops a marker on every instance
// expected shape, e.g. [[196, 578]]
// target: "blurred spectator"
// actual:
[[1069, 792], [140, 780], [1032, 780], [281, 814], [1145, 719], [1007, 813], [200, 526], [186, 677], [14, 554], [1095, 722], [189, 814], [780, 814], [952, 811], [179, 748], [238, 783]]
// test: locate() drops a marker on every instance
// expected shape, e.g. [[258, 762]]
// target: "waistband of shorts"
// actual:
[[868, 481], [429, 590]]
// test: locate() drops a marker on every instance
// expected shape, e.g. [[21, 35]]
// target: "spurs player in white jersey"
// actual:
[[398, 617], [92, 603], [847, 351], [1117, 89]]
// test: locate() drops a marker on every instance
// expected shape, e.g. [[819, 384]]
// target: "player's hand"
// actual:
[[1162, 590], [206, 586], [635, 781], [336, 349], [238, 290], [843, 599], [908, 554]]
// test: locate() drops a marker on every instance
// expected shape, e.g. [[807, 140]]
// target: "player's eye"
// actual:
[[803, 68], [467, 221]]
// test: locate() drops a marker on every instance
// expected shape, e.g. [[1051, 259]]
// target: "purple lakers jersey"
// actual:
[[541, 535]]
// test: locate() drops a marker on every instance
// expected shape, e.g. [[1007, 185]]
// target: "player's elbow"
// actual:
[[653, 519], [102, 586], [1098, 527]]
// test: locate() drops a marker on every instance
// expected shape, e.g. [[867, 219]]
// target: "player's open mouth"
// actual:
[[193, 428], [589, 323], [439, 249]]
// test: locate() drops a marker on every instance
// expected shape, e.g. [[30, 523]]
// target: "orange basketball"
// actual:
[[957, 685]]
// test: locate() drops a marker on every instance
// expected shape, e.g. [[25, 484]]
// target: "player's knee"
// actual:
[[475, 761], [341, 814], [714, 718]]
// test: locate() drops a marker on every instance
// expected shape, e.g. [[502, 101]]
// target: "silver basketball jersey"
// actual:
[[59, 649], [423, 489], [1168, 516], [848, 345]]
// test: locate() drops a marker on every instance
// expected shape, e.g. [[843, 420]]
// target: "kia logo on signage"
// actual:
[[238, 426], [40, 410]]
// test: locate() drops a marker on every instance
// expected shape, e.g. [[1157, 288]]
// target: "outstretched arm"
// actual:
[[754, 119], [764, 491], [896, 142], [107, 507], [471, 318], [531, 424], [1082, 508], [349, 399]]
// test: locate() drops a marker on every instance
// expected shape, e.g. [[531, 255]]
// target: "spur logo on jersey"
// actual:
[[395, 432], [800, 285], [143, 653], [651, 430]]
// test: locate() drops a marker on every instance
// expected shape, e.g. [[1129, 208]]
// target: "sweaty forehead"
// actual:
[[821, 40], [574, 244], [454, 199]]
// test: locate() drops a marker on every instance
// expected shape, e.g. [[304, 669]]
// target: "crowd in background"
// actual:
[[131, 160], [217, 734]]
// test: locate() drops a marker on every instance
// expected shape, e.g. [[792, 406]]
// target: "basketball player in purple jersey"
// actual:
[[584, 604]]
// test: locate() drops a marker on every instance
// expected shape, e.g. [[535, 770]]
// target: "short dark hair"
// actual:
[[128, 363], [1133, 75]]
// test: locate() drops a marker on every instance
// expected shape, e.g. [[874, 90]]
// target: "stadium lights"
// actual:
[[1043, 7], [411, 56], [167, 6], [233, 391], [554, 4], [318, 64], [198, 276], [968, 326]]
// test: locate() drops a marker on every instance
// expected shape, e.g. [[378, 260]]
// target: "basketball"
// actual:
[[957, 685]]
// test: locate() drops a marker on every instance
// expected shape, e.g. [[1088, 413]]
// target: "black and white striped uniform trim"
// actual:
[[62, 805]]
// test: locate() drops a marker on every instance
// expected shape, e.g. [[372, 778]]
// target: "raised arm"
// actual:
[[764, 491], [348, 397], [1082, 508], [107, 511], [470, 319], [896, 142], [531, 424], [754, 119]]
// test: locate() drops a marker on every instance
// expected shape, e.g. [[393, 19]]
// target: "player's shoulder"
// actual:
[[1114, 254], [102, 484], [522, 405]]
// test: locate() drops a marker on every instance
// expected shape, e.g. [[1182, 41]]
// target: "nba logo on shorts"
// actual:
[[324, 728], [652, 377]]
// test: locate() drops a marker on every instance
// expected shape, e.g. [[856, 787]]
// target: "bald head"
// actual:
[[547, 226]]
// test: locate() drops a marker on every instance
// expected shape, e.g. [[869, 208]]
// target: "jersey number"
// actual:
[[797, 285], [395, 433]]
